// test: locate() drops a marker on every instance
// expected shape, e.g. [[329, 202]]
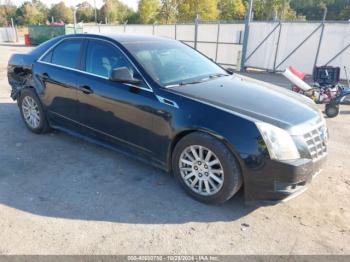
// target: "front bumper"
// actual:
[[278, 181]]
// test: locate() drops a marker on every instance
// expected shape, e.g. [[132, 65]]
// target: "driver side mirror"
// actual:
[[230, 70], [123, 75]]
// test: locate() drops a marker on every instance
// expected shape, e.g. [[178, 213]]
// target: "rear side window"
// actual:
[[66, 54], [47, 57]]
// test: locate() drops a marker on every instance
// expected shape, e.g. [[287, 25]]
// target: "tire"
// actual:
[[331, 110], [29, 99], [231, 176]]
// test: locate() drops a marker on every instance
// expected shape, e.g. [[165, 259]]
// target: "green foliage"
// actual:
[[85, 12], [273, 9], [114, 11], [34, 12], [206, 9], [61, 12], [171, 11], [42, 8], [314, 9], [133, 18], [231, 9], [6, 13], [148, 10], [168, 11]]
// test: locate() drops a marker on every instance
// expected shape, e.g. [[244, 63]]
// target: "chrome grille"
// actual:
[[316, 141]]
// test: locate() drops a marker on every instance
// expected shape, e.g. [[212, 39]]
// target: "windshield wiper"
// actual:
[[185, 83], [191, 82], [217, 75]]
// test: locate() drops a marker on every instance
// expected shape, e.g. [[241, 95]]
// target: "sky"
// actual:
[[99, 3]]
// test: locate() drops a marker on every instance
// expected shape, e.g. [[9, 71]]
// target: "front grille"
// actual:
[[316, 141]]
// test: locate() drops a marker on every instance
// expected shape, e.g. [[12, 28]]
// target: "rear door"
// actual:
[[57, 70]]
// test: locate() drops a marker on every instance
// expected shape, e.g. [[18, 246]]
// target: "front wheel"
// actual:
[[32, 112], [205, 168]]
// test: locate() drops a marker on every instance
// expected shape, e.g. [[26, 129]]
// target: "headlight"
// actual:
[[279, 143]]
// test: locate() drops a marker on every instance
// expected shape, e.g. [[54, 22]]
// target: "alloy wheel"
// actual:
[[201, 170], [31, 112]]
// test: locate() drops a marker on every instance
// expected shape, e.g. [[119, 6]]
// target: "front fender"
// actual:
[[238, 133]]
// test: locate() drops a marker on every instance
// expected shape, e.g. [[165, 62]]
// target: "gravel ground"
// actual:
[[61, 195]]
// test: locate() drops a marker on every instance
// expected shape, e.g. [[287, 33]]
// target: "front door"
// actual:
[[118, 112]]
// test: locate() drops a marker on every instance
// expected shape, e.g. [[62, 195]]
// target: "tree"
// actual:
[[134, 18], [206, 9], [168, 11], [231, 9], [42, 8], [148, 10], [61, 12], [285, 11], [108, 12], [258, 10], [114, 11], [31, 13], [344, 13], [85, 12], [271, 9], [7, 11], [314, 9]]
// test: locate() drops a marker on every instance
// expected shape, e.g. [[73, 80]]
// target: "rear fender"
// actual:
[[19, 73]]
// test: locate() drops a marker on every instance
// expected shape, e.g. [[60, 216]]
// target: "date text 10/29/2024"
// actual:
[[172, 258]]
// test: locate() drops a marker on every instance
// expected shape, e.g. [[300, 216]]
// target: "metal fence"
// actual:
[[222, 42], [273, 46], [8, 34]]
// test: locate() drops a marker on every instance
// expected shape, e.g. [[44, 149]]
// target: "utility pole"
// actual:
[[95, 12], [75, 20], [246, 34], [321, 36], [196, 31], [14, 29], [75, 17]]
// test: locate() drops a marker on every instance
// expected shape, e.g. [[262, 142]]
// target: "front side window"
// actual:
[[171, 62], [66, 54], [102, 58]]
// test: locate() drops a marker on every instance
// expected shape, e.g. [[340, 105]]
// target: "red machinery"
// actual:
[[325, 90]]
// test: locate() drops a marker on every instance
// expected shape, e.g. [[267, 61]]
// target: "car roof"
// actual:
[[125, 38]]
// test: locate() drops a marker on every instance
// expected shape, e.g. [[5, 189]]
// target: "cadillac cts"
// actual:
[[165, 103]]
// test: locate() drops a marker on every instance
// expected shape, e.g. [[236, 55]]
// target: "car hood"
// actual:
[[254, 99]]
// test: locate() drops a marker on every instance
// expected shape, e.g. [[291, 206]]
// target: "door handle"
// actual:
[[44, 76], [86, 89]]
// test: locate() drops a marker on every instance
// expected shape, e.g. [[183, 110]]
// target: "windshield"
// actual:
[[173, 63]]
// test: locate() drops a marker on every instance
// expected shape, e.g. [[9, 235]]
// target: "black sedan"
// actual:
[[163, 102]]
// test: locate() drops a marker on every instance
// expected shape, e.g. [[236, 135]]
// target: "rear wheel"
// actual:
[[331, 110], [32, 112], [205, 168]]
